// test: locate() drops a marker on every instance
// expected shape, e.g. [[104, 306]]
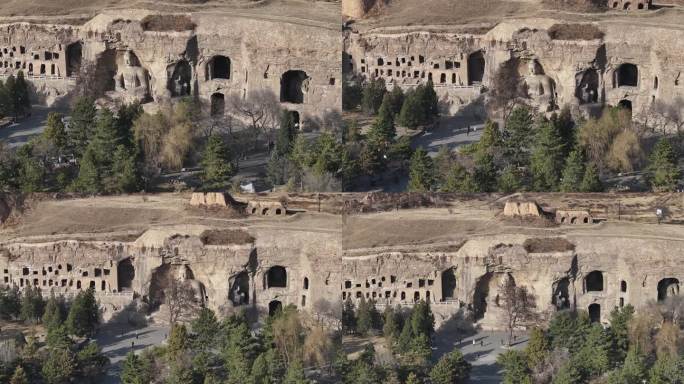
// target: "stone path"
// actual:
[[482, 355], [115, 345]]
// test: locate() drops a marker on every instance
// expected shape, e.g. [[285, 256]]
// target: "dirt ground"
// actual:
[[438, 14], [81, 10]]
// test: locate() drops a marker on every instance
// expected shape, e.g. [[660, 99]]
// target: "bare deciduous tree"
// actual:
[[507, 89], [518, 305], [180, 300], [260, 110]]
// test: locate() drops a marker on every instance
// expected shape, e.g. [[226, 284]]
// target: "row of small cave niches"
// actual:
[[372, 289]]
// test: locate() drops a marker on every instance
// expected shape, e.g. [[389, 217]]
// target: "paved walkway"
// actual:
[[482, 355], [115, 342]]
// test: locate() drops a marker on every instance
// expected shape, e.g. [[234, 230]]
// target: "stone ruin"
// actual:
[[215, 58], [210, 199], [266, 208]]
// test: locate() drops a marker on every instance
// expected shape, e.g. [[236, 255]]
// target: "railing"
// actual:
[[408, 303], [42, 77]]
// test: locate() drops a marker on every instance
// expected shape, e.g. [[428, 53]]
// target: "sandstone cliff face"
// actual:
[[221, 57], [632, 67]]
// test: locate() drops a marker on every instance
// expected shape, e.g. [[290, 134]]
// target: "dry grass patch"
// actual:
[[575, 32], [226, 237], [548, 245], [166, 23]]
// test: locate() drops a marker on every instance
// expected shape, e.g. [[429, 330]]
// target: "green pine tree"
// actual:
[[515, 367], [421, 172], [53, 312], [573, 173], [396, 99], [383, 131], [125, 177], [485, 174], [82, 124], [591, 181], [663, 171], [286, 134], [59, 366], [518, 136], [451, 368], [89, 178], [364, 318], [83, 315], [412, 114], [55, 132], [547, 157], [372, 94]]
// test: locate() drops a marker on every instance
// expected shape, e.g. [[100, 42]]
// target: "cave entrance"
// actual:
[[668, 287], [476, 68], [292, 87], [625, 104], [448, 284], [125, 273], [295, 118], [480, 296], [595, 313], [627, 75], [218, 68], [218, 104], [587, 90], [561, 294], [180, 79], [74, 58], [593, 282], [274, 307], [276, 277], [239, 289]]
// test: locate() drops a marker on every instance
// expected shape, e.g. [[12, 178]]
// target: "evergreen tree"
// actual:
[[568, 374], [22, 101], [90, 360], [205, 327], [125, 176], [10, 303], [633, 371], [31, 304], [619, 331], [568, 329], [390, 328], [451, 368], [412, 114], [82, 124], [364, 318], [412, 379], [383, 131], [591, 181], [372, 95], [125, 118], [565, 126], [55, 131], [459, 180], [84, 314], [573, 173], [216, 160], [396, 99], [547, 157], [484, 175], [429, 101], [104, 142], [89, 179], [518, 135], [179, 341], [31, 171], [667, 370], [10, 100], [421, 173], [593, 358], [286, 134], [510, 180], [132, 371], [515, 366], [538, 348], [59, 366], [663, 171], [53, 312], [348, 316], [491, 140]]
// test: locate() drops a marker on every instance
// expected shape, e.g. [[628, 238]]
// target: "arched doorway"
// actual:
[[448, 284], [668, 287], [218, 68], [239, 289], [595, 313], [476, 68], [627, 75], [587, 90], [292, 87], [218, 104], [125, 274], [180, 80], [274, 307], [74, 57], [276, 277], [593, 282]]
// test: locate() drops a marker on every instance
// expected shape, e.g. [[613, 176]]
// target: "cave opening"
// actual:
[[595, 313], [668, 287], [593, 282], [74, 58], [125, 274], [218, 104], [448, 284], [239, 289], [180, 81], [561, 294], [274, 307], [218, 68], [476, 68], [292, 87], [587, 90], [276, 277], [627, 75], [480, 296]]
